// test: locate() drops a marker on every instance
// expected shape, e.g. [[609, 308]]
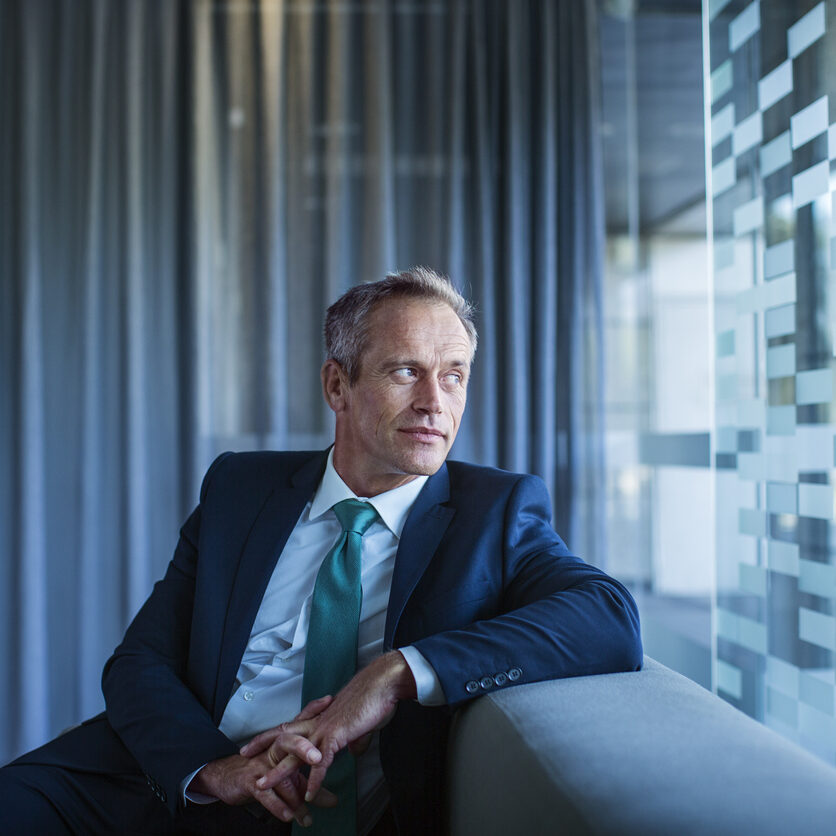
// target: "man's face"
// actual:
[[400, 417]]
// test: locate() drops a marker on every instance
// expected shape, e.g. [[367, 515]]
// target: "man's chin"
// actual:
[[423, 465]]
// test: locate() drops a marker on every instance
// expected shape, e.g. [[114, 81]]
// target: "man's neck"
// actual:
[[369, 484]]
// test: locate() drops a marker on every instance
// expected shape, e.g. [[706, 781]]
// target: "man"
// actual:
[[461, 587]]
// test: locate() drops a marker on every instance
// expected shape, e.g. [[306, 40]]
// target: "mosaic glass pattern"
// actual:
[[771, 98]]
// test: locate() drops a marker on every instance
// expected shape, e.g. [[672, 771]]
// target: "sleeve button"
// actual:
[[472, 687], [500, 679], [486, 682], [514, 674]]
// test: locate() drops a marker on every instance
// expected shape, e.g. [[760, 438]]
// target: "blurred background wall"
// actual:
[[636, 194]]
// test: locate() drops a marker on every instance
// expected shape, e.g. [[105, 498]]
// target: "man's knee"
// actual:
[[25, 792]]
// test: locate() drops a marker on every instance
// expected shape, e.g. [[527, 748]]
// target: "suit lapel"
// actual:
[[425, 526], [270, 531]]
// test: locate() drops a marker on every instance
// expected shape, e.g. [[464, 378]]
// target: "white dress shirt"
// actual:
[[269, 680]]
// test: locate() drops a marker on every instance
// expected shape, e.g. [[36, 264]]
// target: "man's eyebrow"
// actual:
[[406, 362], [401, 362]]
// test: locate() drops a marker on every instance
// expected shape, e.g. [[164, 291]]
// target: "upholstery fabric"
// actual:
[[630, 753]]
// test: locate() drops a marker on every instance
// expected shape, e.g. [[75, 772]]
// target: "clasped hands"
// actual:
[[267, 769]]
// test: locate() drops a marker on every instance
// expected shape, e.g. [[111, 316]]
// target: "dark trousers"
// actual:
[[85, 783]]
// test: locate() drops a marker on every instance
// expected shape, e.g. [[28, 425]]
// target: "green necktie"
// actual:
[[331, 654]]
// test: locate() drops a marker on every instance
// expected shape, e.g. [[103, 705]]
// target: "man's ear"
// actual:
[[334, 385]]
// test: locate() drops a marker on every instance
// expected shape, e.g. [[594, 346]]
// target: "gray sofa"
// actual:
[[631, 753]]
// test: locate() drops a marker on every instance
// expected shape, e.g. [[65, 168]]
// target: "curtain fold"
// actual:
[[32, 643], [185, 187]]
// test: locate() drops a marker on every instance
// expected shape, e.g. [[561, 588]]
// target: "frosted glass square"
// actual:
[[810, 184], [817, 628], [816, 500], [744, 25], [748, 217], [779, 322], [748, 133], [781, 498], [779, 259], [775, 85], [814, 386], [721, 80], [729, 679], [780, 361], [809, 122], [783, 557], [776, 154], [724, 175], [722, 124], [806, 31]]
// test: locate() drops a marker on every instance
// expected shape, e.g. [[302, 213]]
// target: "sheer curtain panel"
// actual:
[[185, 187]]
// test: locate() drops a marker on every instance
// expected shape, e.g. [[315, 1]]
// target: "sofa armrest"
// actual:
[[629, 753]]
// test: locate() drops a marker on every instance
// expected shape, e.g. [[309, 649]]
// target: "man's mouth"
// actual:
[[428, 435]]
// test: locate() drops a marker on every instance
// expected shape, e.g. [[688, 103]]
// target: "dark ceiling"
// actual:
[[653, 128]]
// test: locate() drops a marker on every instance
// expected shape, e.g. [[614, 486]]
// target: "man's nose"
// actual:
[[428, 396]]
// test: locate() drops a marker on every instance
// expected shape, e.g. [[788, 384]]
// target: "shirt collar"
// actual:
[[392, 507]]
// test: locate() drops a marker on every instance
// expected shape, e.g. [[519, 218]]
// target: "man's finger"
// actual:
[[323, 798], [290, 791], [282, 744], [288, 744], [274, 805], [314, 707], [315, 780], [285, 765], [283, 770], [281, 767], [260, 742]]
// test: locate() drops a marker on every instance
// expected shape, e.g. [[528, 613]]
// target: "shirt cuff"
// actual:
[[427, 683], [194, 797]]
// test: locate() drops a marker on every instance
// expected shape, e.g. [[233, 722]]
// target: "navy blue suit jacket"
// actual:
[[482, 586]]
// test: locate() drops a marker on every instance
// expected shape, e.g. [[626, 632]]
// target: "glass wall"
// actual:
[[772, 140]]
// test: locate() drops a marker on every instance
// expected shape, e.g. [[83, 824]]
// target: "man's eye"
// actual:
[[405, 372], [453, 378]]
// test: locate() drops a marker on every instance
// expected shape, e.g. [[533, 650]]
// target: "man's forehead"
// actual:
[[408, 304], [410, 311], [419, 321]]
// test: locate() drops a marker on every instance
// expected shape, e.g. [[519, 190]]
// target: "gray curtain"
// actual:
[[185, 187]]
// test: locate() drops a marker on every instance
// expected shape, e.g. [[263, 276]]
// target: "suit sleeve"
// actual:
[[558, 616], [148, 701]]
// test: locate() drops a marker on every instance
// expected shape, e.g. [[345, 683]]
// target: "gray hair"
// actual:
[[347, 320]]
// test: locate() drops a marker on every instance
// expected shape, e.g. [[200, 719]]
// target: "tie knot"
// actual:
[[355, 515]]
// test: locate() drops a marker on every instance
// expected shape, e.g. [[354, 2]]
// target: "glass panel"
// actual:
[[772, 94]]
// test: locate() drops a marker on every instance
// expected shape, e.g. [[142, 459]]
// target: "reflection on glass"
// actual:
[[657, 312]]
